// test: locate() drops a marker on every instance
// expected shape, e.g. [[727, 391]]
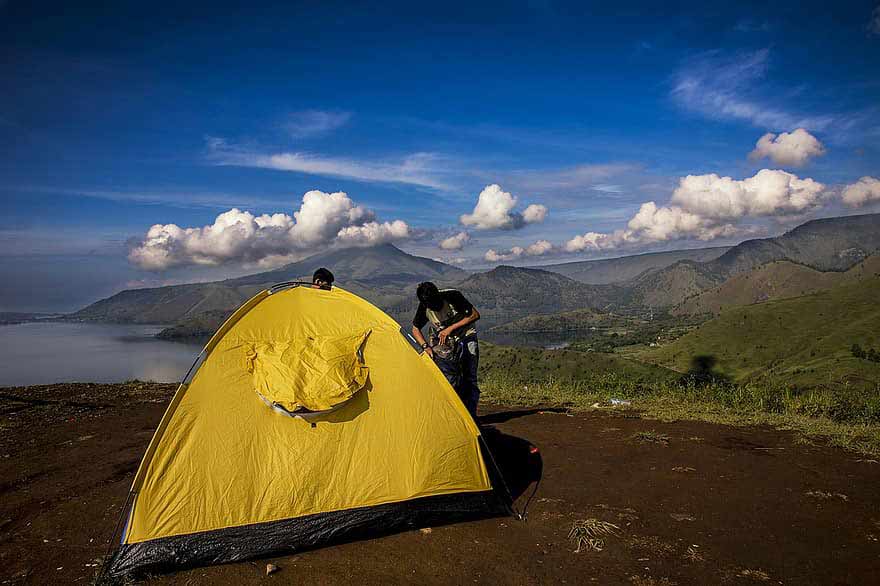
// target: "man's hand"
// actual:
[[429, 351], [444, 333]]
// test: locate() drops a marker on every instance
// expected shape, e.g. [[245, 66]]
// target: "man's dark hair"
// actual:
[[427, 292], [323, 275]]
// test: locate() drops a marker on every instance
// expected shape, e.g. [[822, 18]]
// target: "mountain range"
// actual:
[[830, 244], [622, 269], [387, 276]]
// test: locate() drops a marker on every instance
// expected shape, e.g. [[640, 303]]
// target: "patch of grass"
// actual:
[[651, 544], [692, 553], [824, 496], [848, 419], [652, 437], [591, 534], [755, 574], [650, 581]]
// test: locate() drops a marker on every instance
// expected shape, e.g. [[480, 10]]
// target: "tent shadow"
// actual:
[[517, 459]]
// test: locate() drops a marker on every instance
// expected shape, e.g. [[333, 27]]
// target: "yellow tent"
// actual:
[[309, 417]]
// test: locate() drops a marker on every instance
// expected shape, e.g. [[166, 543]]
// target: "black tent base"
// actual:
[[236, 544]]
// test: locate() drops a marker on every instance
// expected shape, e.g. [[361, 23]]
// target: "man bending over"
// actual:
[[452, 319]]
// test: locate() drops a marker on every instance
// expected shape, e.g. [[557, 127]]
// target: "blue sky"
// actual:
[[115, 117]]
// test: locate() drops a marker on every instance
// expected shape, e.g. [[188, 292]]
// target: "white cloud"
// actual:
[[494, 210], [415, 169], [534, 213], [659, 224], [455, 242], [310, 123], [706, 207], [323, 214], [794, 148], [721, 87], [590, 241], [767, 193], [866, 190], [539, 248], [373, 233], [493, 256], [323, 219]]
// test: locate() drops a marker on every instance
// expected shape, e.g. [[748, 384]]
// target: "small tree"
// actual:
[[857, 351]]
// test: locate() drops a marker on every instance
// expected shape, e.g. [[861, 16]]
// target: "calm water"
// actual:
[[43, 353], [550, 341]]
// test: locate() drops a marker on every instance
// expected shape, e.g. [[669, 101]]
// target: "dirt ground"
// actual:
[[694, 503]]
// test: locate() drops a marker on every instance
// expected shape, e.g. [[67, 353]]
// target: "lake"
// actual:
[[546, 340], [49, 352], [39, 353]]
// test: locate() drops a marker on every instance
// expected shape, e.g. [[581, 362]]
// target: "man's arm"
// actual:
[[417, 334], [419, 322], [467, 320], [465, 307]]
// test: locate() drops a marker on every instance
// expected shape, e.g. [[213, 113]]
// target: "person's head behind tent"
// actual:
[[322, 279], [428, 294]]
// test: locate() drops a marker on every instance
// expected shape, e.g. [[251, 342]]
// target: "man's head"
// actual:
[[428, 294], [322, 279]]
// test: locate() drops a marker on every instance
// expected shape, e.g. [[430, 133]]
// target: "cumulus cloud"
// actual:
[[494, 210], [534, 213], [236, 236], [706, 207], [767, 193], [322, 215], [372, 233], [865, 190], [793, 149], [455, 242], [539, 248], [590, 241]]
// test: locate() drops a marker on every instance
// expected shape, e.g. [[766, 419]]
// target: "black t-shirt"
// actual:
[[455, 307]]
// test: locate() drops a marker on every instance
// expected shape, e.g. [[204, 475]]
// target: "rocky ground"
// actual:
[[690, 503]]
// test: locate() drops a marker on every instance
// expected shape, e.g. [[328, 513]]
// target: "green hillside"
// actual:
[[774, 280], [535, 364], [805, 341]]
